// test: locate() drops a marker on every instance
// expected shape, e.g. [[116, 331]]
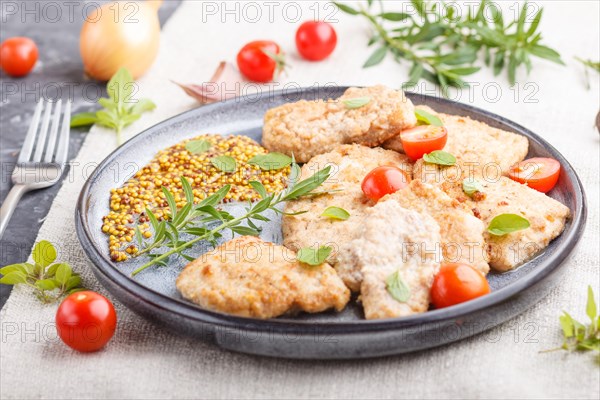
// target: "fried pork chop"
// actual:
[[252, 278], [476, 143], [308, 128], [350, 164], [392, 240]]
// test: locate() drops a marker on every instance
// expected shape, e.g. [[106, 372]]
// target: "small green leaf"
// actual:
[[152, 218], [376, 58], [358, 102], [141, 106], [46, 284], [439, 157], [63, 273], [120, 88], [73, 282], [197, 146], [471, 186], [270, 161], [426, 118], [346, 9], [336, 213], [51, 271], [224, 163], [245, 230], [397, 288], [138, 236], [187, 190], [12, 278], [590, 308], [312, 256], [394, 16], [170, 201], [83, 119], [566, 323], [44, 253], [260, 188], [12, 268], [506, 223]]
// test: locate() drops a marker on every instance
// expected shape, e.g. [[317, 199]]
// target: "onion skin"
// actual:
[[111, 38]]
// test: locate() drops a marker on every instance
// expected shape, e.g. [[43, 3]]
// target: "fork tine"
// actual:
[[31, 133], [40, 143], [62, 151], [49, 152]]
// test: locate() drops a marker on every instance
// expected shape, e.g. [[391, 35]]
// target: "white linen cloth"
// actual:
[[144, 361]]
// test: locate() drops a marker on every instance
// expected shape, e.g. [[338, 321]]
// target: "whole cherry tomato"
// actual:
[[18, 55], [315, 40], [384, 180], [86, 321], [423, 140], [261, 60], [538, 173], [456, 283]]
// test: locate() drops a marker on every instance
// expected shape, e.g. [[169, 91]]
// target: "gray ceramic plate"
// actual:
[[326, 335]]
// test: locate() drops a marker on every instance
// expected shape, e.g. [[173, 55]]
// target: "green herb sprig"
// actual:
[[589, 64], [50, 280], [578, 336], [198, 220], [120, 109], [443, 47]]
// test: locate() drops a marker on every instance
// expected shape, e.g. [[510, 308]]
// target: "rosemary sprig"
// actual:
[[444, 47], [589, 64], [199, 220]]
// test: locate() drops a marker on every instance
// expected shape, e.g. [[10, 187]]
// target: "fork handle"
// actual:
[[9, 205]]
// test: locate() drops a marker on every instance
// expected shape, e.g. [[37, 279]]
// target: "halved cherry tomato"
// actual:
[[315, 40], [538, 173], [86, 321], [384, 180], [18, 55], [456, 283], [423, 139], [260, 60]]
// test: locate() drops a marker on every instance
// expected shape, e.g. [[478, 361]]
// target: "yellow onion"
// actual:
[[120, 34]]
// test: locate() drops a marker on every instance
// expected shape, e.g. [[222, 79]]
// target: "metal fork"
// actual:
[[43, 156]]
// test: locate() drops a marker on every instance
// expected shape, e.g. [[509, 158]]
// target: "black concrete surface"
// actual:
[[59, 71]]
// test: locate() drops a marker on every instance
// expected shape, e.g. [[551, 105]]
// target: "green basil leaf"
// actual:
[[63, 273], [426, 118], [566, 323], [471, 186], [439, 157], [141, 106], [12, 278], [271, 161], [336, 213], [83, 119], [44, 253], [358, 102], [312, 256], [224, 163], [397, 288], [120, 88], [260, 188], [197, 146], [12, 268], [51, 271], [73, 282], [46, 284], [506, 223], [590, 308], [107, 103]]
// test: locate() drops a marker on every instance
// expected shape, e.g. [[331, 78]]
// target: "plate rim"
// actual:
[[101, 264]]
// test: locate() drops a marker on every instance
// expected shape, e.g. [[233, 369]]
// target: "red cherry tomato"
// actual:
[[18, 55], [86, 321], [423, 139], [384, 180], [538, 173], [315, 40], [261, 60], [456, 283]]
